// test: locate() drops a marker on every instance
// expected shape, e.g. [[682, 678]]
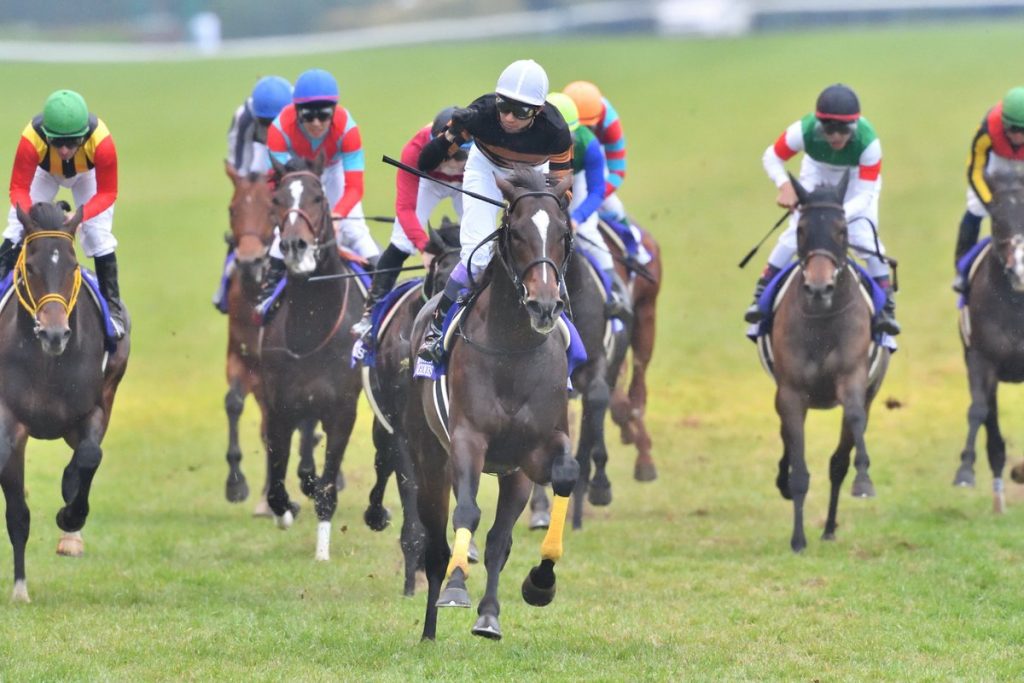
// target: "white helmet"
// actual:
[[523, 81]]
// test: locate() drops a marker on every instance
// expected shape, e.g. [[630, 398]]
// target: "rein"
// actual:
[[326, 340], [24, 292]]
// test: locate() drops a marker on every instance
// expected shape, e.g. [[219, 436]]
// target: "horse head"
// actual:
[[302, 214], [1007, 212], [252, 229], [822, 237], [445, 246], [46, 277], [535, 242]]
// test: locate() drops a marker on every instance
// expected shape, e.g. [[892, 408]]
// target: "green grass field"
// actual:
[[686, 578]]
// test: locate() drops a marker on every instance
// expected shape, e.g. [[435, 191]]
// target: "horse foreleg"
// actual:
[[838, 466], [434, 486], [792, 410], [12, 480], [279, 438], [236, 489], [540, 508], [643, 350], [338, 430], [467, 452], [78, 475], [412, 537], [306, 472], [981, 379], [595, 407], [513, 492], [376, 515], [539, 585], [995, 447], [855, 419]]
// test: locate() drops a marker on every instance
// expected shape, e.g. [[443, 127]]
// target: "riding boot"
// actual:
[[753, 314], [106, 274], [432, 348], [885, 322], [970, 228], [272, 277], [8, 256], [618, 304], [387, 265]]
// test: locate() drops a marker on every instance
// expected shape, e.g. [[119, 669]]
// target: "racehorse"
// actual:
[[993, 330], [386, 384], [628, 409], [821, 343], [59, 380], [252, 231], [305, 347], [507, 406]]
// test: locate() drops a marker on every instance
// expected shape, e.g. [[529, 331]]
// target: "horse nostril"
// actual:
[[533, 307], [829, 288], [559, 307], [66, 335]]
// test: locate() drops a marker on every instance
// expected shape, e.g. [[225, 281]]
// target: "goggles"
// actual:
[[521, 111], [67, 142], [321, 114], [833, 127]]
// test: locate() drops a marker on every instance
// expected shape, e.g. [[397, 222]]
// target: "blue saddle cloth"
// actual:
[[606, 281], [262, 310], [766, 301], [220, 300], [366, 352], [89, 279], [624, 234], [964, 265]]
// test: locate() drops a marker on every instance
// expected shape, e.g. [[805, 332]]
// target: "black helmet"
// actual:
[[441, 120], [837, 103]]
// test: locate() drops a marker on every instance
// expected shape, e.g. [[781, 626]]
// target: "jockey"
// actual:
[[68, 146], [597, 114], [247, 145], [312, 125], [835, 139], [507, 126], [247, 136], [414, 202], [588, 191], [998, 145]]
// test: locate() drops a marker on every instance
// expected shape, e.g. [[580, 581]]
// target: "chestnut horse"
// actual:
[[821, 342], [59, 379], [306, 347], [507, 406], [252, 231]]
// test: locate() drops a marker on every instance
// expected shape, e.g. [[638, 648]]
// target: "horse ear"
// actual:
[[280, 169], [231, 171], [563, 186], [801, 194], [318, 164], [507, 188], [76, 220], [435, 245], [23, 217], [843, 184]]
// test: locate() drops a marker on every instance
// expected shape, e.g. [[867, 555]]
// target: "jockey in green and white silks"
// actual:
[[835, 139]]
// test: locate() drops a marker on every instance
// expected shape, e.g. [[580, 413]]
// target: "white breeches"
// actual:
[[589, 237], [429, 195]]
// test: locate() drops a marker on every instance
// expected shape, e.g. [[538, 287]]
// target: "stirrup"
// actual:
[[362, 328], [431, 349], [887, 325], [959, 284], [753, 315]]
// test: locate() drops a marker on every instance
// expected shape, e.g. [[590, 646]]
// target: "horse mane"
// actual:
[[47, 216], [824, 194]]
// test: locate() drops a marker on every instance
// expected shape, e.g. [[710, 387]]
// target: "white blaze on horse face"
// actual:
[[296, 189], [55, 257], [542, 220], [1017, 245]]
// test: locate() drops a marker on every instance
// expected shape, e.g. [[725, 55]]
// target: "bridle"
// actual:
[[316, 246], [832, 256], [24, 291]]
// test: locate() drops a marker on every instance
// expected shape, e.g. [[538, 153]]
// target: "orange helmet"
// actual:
[[588, 100]]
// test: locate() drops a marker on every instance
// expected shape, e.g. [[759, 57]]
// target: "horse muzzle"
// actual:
[[820, 292], [299, 256], [53, 337], [544, 313]]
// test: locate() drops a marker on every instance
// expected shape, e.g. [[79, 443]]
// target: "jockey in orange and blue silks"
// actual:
[[68, 146], [998, 145], [598, 115]]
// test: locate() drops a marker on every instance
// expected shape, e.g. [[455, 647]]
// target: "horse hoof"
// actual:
[[71, 545], [236, 489], [1017, 473], [798, 545], [863, 488], [474, 554], [261, 509], [284, 522], [645, 471], [377, 517], [540, 519], [454, 596], [828, 536], [487, 627], [20, 593], [537, 595], [599, 496], [998, 504], [965, 478]]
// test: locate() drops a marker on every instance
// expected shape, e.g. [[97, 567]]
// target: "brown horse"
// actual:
[[821, 340], [305, 348], [252, 231], [59, 380], [507, 407], [992, 326], [386, 384], [628, 408]]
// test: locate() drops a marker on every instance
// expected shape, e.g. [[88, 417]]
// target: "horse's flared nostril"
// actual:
[[559, 307]]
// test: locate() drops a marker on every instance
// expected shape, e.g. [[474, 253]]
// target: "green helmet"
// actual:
[[65, 115], [567, 108], [1013, 108]]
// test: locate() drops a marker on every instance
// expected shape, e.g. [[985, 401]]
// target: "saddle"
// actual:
[[967, 266], [381, 316], [626, 237]]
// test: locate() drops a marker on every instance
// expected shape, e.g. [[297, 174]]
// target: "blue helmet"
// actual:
[[315, 85], [270, 96]]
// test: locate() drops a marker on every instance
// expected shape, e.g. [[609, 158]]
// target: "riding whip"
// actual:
[[341, 276], [378, 219], [415, 171], [757, 246]]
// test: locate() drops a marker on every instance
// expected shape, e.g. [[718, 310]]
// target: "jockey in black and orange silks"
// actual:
[[68, 146]]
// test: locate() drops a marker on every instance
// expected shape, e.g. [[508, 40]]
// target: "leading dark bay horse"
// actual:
[[821, 340], [386, 384], [507, 407], [59, 380], [628, 406], [306, 346], [992, 330], [252, 231]]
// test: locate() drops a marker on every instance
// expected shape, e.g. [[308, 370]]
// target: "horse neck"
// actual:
[[315, 304], [507, 320]]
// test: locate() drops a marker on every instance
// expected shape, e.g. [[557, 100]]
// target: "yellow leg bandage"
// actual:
[[551, 547], [460, 553]]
